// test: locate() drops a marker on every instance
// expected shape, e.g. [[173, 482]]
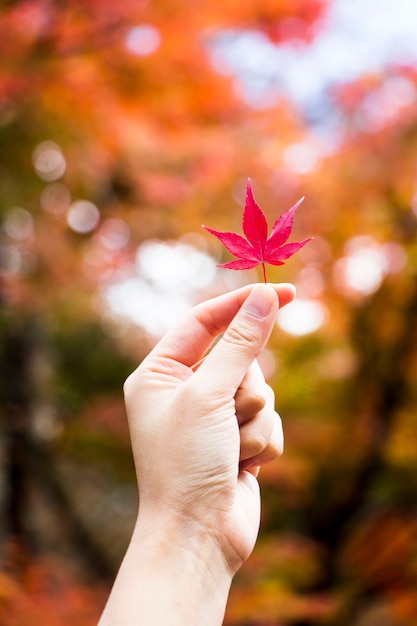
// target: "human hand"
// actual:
[[199, 437], [201, 426]]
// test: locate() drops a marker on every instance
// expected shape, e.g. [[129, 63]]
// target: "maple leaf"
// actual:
[[257, 248]]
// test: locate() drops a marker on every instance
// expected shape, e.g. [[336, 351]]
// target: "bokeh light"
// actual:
[[174, 267], [143, 40], [55, 198], [168, 279], [366, 263], [19, 224], [83, 216], [114, 234], [302, 317], [48, 160], [302, 157]]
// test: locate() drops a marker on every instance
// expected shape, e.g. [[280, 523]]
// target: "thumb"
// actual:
[[242, 342]]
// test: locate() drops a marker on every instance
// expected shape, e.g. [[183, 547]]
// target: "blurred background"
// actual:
[[123, 128]]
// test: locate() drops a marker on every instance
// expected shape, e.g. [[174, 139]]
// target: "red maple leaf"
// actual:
[[258, 248]]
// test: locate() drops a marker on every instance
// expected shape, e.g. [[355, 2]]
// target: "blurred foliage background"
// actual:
[[123, 128]]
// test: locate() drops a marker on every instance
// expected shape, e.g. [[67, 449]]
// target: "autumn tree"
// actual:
[[118, 140]]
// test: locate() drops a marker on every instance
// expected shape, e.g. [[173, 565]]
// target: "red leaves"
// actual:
[[257, 248]]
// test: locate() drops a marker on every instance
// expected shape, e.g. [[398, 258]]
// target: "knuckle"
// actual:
[[277, 438], [258, 443], [127, 385], [249, 402], [257, 402], [130, 384], [242, 334], [275, 449], [269, 394], [274, 446]]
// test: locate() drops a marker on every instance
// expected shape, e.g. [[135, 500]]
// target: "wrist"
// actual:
[[172, 573], [190, 555]]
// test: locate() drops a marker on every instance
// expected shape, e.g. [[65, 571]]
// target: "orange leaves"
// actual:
[[380, 558], [266, 590], [45, 594], [278, 19], [382, 551], [161, 141]]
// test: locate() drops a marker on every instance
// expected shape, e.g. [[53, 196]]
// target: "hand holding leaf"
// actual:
[[257, 248]]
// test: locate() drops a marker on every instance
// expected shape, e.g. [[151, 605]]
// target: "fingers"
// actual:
[[258, 448], [261, 435], [189, 341], [247, 333], [250, 398]]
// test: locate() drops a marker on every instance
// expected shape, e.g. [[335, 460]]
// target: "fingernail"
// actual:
[[259, 302]]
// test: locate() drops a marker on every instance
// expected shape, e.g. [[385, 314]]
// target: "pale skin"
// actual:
[[201, 427]]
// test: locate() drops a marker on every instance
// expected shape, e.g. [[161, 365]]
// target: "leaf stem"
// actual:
[[264, 272]]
